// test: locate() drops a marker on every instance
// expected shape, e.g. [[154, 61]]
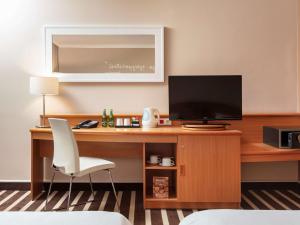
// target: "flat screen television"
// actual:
[[205, 98]]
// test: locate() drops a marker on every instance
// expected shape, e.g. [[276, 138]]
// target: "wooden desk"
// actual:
[[207, 171], [184, 144]]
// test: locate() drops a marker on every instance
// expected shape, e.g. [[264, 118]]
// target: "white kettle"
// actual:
[[150, 118]]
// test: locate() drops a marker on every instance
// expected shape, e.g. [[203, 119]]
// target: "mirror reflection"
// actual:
[[103, 53]]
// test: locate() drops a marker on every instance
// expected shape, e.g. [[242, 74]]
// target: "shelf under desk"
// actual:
[[260, 152]]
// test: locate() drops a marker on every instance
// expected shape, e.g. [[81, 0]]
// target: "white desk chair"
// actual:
[[67, 161]]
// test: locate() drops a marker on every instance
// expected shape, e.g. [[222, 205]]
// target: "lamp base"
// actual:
[[42, 126]]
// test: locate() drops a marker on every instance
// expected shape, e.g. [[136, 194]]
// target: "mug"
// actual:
[[167, 161], [154, 159], [119, 122], [127, 122]]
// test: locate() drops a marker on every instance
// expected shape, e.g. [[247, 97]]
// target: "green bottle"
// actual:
[[111, 121], [104, 118]]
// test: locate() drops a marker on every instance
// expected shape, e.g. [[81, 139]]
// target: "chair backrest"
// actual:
[[66, 155]]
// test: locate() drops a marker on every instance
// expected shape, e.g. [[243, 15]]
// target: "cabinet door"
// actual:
[[209, 168]]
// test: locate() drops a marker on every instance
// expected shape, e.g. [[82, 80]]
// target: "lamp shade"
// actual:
[[44, 85]]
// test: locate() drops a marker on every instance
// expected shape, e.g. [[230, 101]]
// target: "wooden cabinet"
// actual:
[[209, 168]]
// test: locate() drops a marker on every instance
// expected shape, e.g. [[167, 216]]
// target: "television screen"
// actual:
[[205, 97]]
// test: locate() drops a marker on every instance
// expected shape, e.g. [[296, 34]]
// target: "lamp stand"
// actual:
[[43, 125]]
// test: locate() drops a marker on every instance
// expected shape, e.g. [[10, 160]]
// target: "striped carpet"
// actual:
[[132, 206]]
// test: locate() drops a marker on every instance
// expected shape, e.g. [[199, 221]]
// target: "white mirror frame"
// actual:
[[158, 31]]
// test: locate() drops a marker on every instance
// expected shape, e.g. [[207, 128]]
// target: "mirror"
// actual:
[[102, 54]]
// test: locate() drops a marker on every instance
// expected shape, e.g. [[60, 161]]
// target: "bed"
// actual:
[[243, 217], [63, 218]]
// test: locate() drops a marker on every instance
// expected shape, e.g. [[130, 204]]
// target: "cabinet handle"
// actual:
[[182, 170]]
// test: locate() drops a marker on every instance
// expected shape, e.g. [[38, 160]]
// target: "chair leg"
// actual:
[[49, 191], [113, 186], [91, 185], [70, 189]]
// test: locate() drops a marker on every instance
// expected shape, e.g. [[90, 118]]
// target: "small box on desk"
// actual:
[[282, 136]]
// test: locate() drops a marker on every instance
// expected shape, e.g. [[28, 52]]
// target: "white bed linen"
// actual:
[[243, 217], [63, 218]]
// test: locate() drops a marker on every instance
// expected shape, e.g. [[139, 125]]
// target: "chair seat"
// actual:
[[91, 165]]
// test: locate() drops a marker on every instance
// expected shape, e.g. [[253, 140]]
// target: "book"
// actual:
[[160, 187]]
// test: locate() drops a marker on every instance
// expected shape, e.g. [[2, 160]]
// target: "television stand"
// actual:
[[212, 126]]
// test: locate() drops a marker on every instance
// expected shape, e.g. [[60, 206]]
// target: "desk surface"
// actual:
[[143, 131], [250, 152]]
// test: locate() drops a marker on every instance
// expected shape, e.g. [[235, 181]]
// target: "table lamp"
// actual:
[[43, 86]]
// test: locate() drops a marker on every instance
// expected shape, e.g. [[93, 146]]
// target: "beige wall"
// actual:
[[256, 38]]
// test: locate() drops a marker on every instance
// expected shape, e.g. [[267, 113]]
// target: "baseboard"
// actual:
[[75, 186], [22, 186], [96, 186], [138, 186], [270, 185]]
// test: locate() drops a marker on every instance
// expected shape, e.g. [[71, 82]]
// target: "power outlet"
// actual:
[[165, 122]]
